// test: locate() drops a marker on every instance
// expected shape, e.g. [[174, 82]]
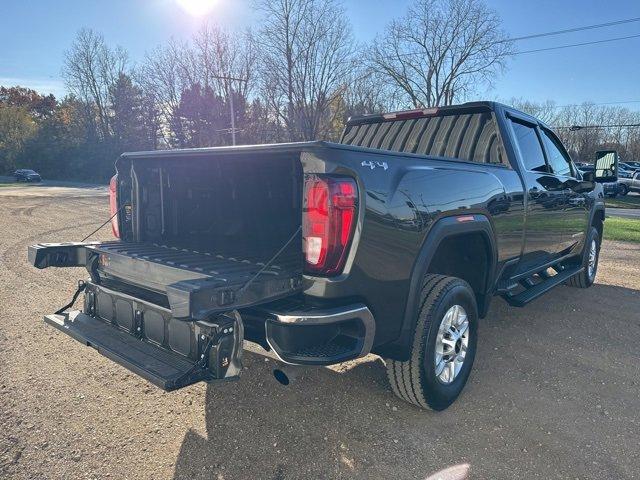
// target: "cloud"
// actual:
[[40, 85]]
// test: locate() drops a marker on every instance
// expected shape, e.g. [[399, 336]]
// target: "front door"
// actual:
[[544, 239], [577, 202]]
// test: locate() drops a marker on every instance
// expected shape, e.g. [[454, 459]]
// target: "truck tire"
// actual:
[[623, 190], [444, 345], [590, 257]]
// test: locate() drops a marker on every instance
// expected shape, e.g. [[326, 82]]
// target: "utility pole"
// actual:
[[229, 79], [233, 118]]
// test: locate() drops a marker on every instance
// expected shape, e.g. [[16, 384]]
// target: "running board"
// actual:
[[539, 289]]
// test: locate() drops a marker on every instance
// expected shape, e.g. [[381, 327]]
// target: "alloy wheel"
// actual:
[[451, 344]]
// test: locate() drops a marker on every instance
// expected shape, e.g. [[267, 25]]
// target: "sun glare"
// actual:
[[197, 8]]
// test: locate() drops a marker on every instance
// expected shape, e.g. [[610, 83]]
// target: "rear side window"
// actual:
[[472, 137], [529, 146], [559, 162]]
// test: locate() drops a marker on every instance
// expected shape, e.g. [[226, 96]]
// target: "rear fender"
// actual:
[[441, 230]]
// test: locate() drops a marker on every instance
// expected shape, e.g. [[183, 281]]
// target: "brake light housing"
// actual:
[[113, 205], [330, 212], [409, 114]]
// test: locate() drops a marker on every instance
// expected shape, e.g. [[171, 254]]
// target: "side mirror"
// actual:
[[606, 166]]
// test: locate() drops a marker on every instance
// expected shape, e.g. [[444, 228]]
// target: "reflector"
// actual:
[[113, 205]]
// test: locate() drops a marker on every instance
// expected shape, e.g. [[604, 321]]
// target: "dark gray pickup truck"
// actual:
[[393, 242]]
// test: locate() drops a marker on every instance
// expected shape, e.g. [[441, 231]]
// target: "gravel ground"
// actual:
[[554, 393]]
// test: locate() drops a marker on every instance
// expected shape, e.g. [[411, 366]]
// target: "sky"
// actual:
[[35, 33]]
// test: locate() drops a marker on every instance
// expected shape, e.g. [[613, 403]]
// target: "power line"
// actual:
[[576, 29], [606, 40], [580, 127], [590, 104], [577, 44]]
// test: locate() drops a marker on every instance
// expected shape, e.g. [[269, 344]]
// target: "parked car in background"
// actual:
[[630, 184], [627, 170], [630, 165], [26, 175]]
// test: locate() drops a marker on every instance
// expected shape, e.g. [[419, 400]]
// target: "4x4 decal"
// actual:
[[372, 165]]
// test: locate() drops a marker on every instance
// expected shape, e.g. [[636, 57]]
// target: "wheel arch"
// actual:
[[445, 232]]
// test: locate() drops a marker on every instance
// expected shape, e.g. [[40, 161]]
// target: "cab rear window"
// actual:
[[471, 137]]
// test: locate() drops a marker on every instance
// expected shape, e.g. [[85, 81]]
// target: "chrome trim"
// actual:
[[323, 317]]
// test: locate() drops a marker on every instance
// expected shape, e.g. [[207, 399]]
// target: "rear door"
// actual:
[[576, 210], [546, 195]]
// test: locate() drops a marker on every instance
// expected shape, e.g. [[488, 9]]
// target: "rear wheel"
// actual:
[[623, 190], [444, 345], [590, 257]]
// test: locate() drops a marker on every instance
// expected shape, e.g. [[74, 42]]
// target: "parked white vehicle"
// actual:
[[631, 184]]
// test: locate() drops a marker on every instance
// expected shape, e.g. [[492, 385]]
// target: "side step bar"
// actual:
[[534, 291]]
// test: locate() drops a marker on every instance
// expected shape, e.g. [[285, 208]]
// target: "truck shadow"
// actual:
[[537, 374]]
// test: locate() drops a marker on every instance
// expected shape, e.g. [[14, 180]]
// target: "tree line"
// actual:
[[608, 127], [297, 75]]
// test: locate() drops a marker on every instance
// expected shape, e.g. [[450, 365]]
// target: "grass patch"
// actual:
[[624, 229], [11, 184], [630, 201]]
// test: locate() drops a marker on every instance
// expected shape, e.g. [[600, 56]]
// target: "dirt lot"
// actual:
[[554, 393]]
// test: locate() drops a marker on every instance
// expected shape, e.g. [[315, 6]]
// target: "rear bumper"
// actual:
[[319, 336]]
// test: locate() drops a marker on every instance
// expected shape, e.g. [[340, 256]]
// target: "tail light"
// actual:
[[113, 205], [329, 217]]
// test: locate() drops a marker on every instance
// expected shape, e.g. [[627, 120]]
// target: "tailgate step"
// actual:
[[162, 368]]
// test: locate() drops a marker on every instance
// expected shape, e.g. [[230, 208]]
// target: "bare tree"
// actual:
[[441, 50], [367, 92], [160, 78], [606, 127], [546, 111], [306, 50], [217, 64], [91, 70], [222, 60]]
